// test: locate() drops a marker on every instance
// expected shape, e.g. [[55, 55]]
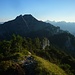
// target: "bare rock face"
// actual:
[[46, 42]]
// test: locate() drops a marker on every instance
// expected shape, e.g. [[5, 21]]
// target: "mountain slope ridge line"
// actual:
[[25, 22]]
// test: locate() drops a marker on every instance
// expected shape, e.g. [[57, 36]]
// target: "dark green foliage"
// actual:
[[67, 69], [37, 43], [5, 48], [16, 49], [10, 68], [16, 45], [65, 41], [25, 43]]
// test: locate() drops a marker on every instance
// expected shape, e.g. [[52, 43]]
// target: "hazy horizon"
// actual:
[[58, 10]]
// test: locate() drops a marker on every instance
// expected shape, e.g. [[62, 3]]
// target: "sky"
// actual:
[[53, 10]]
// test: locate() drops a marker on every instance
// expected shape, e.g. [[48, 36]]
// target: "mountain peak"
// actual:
[[29, 16], [26, 17]]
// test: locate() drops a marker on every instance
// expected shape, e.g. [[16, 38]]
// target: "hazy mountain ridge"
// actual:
[[1, 22], [68, 26], [28, 26]]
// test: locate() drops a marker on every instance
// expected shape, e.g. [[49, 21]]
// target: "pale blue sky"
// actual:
[[58, 10]]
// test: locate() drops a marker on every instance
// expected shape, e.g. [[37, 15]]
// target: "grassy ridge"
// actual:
[[49, 68]]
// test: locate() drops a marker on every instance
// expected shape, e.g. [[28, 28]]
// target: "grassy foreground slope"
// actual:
[[47, 68]]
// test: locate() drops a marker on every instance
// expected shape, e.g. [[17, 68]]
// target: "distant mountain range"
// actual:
[[1, 22], [68, 26], [28, 26]]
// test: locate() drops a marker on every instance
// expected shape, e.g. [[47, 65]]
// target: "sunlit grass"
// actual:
[[49, 67]]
